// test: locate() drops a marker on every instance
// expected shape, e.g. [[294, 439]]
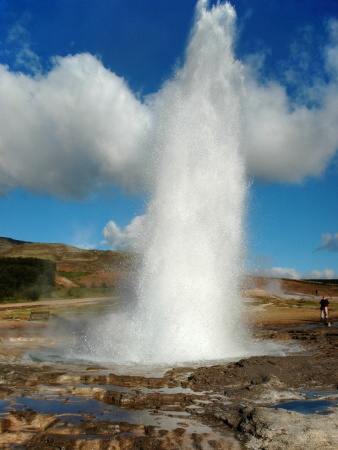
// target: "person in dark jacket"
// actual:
[[324, 308]]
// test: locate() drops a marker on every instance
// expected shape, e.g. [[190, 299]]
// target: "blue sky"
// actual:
[[68, 164]]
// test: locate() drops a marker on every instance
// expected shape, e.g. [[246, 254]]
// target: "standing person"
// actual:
[[324, 308]]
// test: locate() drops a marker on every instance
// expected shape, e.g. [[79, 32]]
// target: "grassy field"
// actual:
[[82, 292], [77, 309]]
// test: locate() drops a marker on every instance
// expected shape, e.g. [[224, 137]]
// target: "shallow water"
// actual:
[[75, 409], [316, 402]]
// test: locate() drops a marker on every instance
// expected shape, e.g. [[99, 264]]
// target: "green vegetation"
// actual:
[[83, 311], [83, 292], [25, 278], [15, 314], [72, 275]]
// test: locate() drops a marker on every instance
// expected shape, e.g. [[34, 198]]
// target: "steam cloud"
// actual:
[[278, 272], [285, 272], [327, 274]]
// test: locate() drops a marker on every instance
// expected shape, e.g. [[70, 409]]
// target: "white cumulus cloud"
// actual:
[[127, 238], [287, 139], [66, 133], [329, 242], [79, 126]]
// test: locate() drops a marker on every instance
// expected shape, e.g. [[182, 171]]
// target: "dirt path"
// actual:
[[55, 303]]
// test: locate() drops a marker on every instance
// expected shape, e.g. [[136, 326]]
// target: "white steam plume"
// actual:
[[278, 272], [188, 289], [326, 274]]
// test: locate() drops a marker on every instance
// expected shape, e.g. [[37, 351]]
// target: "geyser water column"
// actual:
[[189, 301], [188, 304]]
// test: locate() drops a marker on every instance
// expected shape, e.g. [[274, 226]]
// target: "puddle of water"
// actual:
[[75, 409], [318, 394], [4, 404], [312, 326], [309, 406], [66, 405]]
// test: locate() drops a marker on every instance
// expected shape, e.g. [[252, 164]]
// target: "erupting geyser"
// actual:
[[189, 301], [189, 305]]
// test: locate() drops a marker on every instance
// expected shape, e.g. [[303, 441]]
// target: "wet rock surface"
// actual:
[[223, 406]]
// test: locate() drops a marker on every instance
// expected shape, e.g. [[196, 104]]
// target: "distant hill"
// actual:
[[88, 268], [7, 243], [77, 267]]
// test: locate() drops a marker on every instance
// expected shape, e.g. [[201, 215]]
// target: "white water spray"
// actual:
[[189, 304], [189, 300]]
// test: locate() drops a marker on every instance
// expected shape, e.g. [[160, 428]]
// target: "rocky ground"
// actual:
[[50, 405]]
